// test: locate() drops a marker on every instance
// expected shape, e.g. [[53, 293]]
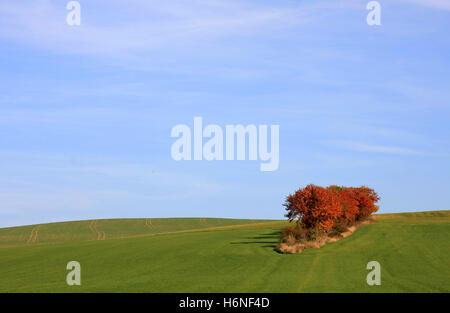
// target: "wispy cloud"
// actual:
[[46, 184], [105, 171], [362, 147], [177, 23], [436, 4]]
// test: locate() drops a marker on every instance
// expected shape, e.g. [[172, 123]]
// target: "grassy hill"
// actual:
[[108, 229], [224, 255]]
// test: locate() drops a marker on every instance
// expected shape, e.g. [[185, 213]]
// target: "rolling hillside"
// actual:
[[223, 255], [108, 229]]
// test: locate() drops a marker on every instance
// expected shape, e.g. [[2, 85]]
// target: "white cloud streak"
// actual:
[[435, 4], [356, 146], [174, 24]]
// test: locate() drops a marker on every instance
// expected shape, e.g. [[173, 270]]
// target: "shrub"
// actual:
[[331, 209], [297, 233], [314, 207], [348, 203], [322, 213], [338, 229], [315, 234]]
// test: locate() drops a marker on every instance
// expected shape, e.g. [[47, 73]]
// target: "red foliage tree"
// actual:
[[314, 206], [320, 208], [366, 198], [348, 203]]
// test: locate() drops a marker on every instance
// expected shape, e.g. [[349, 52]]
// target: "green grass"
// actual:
[[108, 229], [220, 255]]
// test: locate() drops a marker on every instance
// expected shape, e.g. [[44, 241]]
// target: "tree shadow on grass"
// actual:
[[261, 240]]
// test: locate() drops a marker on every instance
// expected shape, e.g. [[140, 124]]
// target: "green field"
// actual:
[[224, 255]]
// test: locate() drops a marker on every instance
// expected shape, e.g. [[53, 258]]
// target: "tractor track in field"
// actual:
[[91, 228], [101, 235], [162, 233], [309, 274], [148, 223], [34, 234]]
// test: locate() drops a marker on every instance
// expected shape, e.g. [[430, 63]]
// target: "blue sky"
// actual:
[[86, 111]]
